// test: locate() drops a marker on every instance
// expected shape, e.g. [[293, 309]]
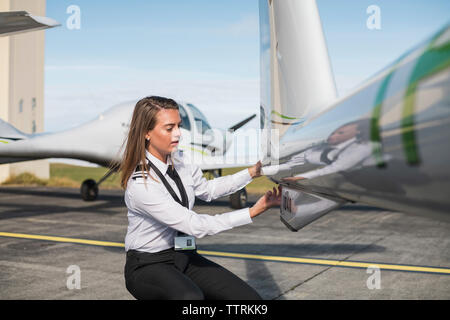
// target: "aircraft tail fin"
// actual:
[[8, 133], [297, 82]]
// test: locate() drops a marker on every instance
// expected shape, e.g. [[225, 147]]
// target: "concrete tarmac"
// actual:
[[328, 259]]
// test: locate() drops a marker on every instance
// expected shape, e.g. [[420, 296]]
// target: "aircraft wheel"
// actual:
[[89, 190], [239, 199]]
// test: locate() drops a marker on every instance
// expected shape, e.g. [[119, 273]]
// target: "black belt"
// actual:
[[180, 258], [136, 252]]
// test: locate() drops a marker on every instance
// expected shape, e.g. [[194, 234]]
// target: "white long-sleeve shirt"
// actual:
[[349, 154], [154, 217]]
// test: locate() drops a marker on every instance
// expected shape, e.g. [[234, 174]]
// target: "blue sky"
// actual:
[[205, 52]]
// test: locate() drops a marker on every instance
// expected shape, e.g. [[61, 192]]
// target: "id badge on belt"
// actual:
[[184, 242]]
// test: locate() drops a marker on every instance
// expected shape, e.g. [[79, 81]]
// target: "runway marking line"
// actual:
[[62, 239], [335, 263]]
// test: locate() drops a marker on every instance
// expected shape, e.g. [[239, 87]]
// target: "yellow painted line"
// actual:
[[61, 239], [335, 263]]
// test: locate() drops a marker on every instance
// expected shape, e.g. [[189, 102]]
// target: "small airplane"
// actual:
[[100, 141], [385, 144]]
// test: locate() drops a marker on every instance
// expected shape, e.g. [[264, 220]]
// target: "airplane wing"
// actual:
[[82, 143], [15, 22], [385, 144]]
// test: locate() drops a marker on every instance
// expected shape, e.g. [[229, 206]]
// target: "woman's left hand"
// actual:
[[255, 171]]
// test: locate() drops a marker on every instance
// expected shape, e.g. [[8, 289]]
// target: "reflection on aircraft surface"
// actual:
[[384, 144], [348, 147]]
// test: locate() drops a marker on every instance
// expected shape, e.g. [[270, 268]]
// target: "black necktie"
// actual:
[[324, 156], [173, 174]]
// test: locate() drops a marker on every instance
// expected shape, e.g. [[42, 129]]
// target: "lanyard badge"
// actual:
[[184, 242]]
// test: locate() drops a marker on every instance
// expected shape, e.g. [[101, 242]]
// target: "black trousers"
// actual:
[[182, 275]]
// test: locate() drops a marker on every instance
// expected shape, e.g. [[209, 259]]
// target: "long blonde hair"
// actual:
[[144, 119]]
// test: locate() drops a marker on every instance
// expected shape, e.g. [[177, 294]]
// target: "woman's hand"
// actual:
[[267, 201], [255, 171]]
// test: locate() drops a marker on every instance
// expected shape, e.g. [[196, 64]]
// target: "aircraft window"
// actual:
[[200, 119], [184, 118]]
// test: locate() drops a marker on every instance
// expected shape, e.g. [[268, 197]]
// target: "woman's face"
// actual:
[[165, 137], [343, 134]]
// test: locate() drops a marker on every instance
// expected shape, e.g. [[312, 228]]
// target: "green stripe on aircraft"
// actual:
[[375, 135], [283, 116], [432, 61], [193, 149], [295, 122]]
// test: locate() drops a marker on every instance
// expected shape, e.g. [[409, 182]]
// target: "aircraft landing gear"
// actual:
[[89, 188], [238, 199]]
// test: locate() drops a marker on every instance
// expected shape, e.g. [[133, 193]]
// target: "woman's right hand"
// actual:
[[267, 201]]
